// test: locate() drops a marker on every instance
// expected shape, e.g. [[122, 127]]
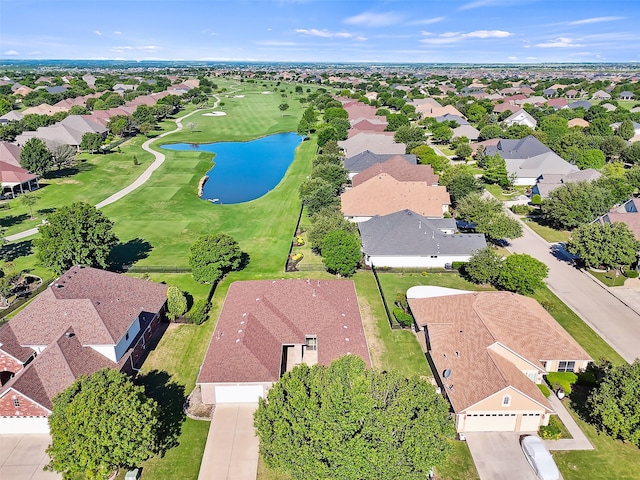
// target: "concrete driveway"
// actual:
[[498, 456], [23, 456], [231, 452]]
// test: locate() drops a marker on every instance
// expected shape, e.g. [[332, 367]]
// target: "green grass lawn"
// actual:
[[500, 194], [609, 278], [551, 235]]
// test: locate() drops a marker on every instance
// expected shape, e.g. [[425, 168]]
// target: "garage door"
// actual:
[[239, 393], [490, 422], [12, 425], [530, 422]]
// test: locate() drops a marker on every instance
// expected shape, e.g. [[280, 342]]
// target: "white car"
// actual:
[[539, 458]]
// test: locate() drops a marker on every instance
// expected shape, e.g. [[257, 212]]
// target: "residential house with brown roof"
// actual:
[[13, 178], [488, 351], [86, 320], [370, 125], [363, 160], [383, 194], [578, 122], [400, 169], [627, 213], [266, 327]]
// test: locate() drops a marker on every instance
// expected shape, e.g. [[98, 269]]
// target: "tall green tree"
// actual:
[[283, 107], [574, 204], [488, 216], [75, 234], [91, 142], [626, 130], [345, 421], [341, 252], [521, 273], [460, 181], [29, 200], [495, 170], [325, 221], [36, 157], [99, 424], [212, 256], [442, 133], [176, 303], [614, 404], [604, 245], [427, 156], [484, 266]]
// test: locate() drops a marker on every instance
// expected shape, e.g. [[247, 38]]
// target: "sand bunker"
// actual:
[[267, 93], [214, 114], [238, 96]]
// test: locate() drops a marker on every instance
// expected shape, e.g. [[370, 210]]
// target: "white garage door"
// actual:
[[239, 393], [490, 422], [530, 422], [11, 425]]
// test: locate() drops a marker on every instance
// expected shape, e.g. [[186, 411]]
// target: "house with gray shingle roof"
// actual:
[[627, 95], [406, 239], [580, 104], [528, 159], [86, 320], [548, 182], [448, 117]]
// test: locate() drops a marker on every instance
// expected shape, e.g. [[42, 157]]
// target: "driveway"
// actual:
[[22, 457], [231, 452], [498, 456]]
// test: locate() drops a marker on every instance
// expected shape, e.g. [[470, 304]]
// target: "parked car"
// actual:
[[539, 458]]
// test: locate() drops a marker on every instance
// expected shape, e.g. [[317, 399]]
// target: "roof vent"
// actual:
[[69, 334], [58, 285], [446, 373]]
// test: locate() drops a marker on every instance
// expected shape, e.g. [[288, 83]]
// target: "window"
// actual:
[[566, 366], [506, 401], [16, 402], [311, 343], [126, 336]]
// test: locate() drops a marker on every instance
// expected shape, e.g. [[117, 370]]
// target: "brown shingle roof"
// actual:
[[399, 169], [383, 194], [259, 317], [99, 305], [9, 344], [473, 324]]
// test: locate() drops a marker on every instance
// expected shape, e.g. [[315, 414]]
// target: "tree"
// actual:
[[460, 182], [490, 131], [344, 421], [325, 221], [192, 126], [573, 204], [626, 130], [484, 266], [631, 154], [397, 120], [335, 112], [614, 405], [463, 151], [336, 175], [488, 216], [176, 303], [283, 107], [442, 133], [409, 134], [101, 423], [35, 156], [212, 256], [604, 245], [76, 234], [29, 200], [427, 156], [495, 170], [327, 133], [521, 273], [341, 252], [63, 155], [591, 158], [91, 142], [599, 127]]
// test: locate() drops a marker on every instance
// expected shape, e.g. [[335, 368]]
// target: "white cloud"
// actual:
[[323, 33], [371, 19], [361, 38], [587, 21], [10, 52], [117, 32], [97, 32], [562, 42], [476, 4], [128, 48], [454, 37], [427, 21], [512, 58], [532, 58], [275, 43]]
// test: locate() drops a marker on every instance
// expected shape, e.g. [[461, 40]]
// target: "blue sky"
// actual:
[[480, 31]]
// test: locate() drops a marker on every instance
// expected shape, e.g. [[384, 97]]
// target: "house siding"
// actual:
[[436, 261], [27, 408]]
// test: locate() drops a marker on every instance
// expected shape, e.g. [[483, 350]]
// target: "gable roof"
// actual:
[[406, 233], [400, 169], [383, 194], [10, 153], [259, 317], [526, 147], [100, 306], [379, 142], [447, 117], [13, 115], [550, 181], [11, 175], [365, 159], [472, 133], [521, 117], [10, 344], [478, 326]]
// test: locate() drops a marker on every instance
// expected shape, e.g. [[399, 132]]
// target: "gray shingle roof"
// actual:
[[523, 148], [407, 233], [364, 160]]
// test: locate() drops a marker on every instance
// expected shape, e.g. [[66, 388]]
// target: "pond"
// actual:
[[244, 171]]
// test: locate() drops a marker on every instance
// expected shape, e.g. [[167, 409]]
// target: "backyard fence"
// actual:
[[24, 299], [393, 323], [156, 269]]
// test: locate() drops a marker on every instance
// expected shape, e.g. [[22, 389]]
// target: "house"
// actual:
[[535, 100], [86, 320], [55, 89], [430, 111], [13, 178], [528, 158], [488, 351], [557, 103], [571, 93], [12, 116], [548, 182], [472, 133], [609, 107], [550, 92], [447, 117], [580, 104], [360, 162], [627, 95], [601, 95], [400, 169], [67, 132], [374, 124], [521, 117], [266, 327], [407, 240], [578, 122], [503, 107], [627, 213], [375, 142], [43, 109], [383, 194]]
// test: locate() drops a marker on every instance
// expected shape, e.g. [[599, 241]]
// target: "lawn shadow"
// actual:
[[69, 171], [245, 258], [46, 211], [11, 220], [11, 251], [125, 254], [171, 398]]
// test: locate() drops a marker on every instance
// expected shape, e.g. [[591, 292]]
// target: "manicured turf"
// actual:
[[551, 235], [460, 465], [609, 278]]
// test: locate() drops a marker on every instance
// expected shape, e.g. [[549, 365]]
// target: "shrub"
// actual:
[[545, 390], [521, 209], [296, 257], [588, 379], [548, 305], [199, 312], [299, 241], [551, 431], [403, 318], [631, 273], [458, 265], [564, 379]]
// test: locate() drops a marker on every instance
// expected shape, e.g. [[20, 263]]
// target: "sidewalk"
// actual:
[[579, 440]]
